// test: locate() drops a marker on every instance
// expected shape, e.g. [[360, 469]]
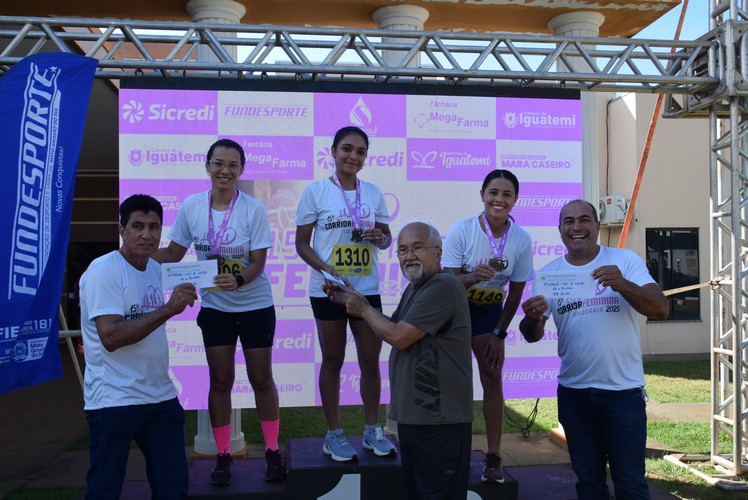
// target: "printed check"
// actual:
[[200, 273], [564, 284]]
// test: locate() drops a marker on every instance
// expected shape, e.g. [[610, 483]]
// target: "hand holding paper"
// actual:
[[564, 284], [199, 273]]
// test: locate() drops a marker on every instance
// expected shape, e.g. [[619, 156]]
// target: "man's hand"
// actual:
[[533, 324], [494, 352], [355, 303], [183, 295], [483, 272], [610, 276], [535, 307], [647, 299]]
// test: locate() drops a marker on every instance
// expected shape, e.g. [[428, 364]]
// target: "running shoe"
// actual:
[[274, 468], [492, 472], [337, 446], [222, 471], [377, 442]]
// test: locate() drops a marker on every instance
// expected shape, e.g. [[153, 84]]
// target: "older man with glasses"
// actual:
[[430, 365]]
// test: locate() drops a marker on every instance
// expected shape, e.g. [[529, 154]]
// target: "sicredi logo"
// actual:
[[324, 159], [132, 111], [396, 159], [175, 114]]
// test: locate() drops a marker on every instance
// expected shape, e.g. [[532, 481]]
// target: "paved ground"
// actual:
[[38, 424]]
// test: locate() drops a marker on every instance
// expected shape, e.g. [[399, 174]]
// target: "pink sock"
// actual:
[[222, 435], [270, 430]]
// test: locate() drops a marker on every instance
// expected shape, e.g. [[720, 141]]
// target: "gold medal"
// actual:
[[498, 264]]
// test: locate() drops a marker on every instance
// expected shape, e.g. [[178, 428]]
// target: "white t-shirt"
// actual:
[[135, 374], [248, 229], [598, 338], [467, 246], [322, 204]]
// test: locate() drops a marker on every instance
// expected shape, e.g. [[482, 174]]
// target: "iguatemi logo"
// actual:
[[360, 115], [422, 160], [132, 111], [449, 159], [538, 119], [135, 157]]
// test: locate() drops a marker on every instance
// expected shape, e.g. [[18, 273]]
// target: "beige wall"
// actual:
[[674, 193]]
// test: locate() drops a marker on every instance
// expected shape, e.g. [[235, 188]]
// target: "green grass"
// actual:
[[45, 494], [678, 381], [688, 437]]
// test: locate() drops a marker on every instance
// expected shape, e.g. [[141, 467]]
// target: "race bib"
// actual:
[[486, 296], [352, 260], [226, 266]]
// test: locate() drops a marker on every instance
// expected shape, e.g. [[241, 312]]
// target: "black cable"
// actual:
[[524, 427]]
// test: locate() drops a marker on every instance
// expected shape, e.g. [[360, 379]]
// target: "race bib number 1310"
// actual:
[[352, 260]]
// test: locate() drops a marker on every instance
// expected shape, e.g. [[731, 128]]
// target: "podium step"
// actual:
[[314, 475]]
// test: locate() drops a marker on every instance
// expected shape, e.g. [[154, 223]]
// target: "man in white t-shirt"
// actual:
[[601, 398], [128, 394]]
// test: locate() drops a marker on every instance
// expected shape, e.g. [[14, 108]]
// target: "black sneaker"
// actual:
[[492, 472], [222, 471], [274, 468]]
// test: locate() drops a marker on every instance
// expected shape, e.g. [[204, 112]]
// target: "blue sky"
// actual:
[[695, 24]]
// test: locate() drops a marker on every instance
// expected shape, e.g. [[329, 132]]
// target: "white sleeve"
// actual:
[[454, 247], [381, 215], [102, 291], [260, 236], [523, 268], [180, 232], [307, 211]]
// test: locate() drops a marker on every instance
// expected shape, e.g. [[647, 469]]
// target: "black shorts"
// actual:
[[256, 329], [484, 319], [326, 310]]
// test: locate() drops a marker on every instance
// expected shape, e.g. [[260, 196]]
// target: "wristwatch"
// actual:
[[500, 333]]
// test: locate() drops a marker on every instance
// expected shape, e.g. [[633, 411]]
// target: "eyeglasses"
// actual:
[[220, 164], [403, 251]]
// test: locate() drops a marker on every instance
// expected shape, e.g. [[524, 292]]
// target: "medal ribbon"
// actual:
[[215, 238], [497, 251], [355, 214]]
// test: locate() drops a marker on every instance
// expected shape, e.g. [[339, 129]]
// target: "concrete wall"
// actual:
[[674, 193]]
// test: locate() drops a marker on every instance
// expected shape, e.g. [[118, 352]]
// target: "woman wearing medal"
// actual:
[[492, 256], [232, 227], [349, 221]]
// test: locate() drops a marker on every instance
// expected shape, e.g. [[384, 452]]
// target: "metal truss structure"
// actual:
[[728, 122], [705, 77]]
